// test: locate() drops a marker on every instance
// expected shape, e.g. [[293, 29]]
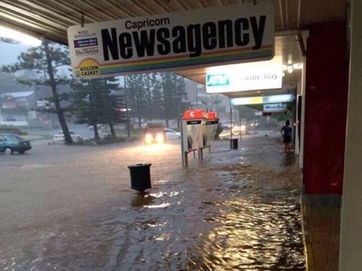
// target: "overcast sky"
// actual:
[[9, 52]]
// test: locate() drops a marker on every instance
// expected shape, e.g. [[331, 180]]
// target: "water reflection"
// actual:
[[289, 159], [142, 199], [227, 214]]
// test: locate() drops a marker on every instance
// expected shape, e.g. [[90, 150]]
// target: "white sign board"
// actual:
[[236, 33], [282, 98], [244, 77], [279, 107]]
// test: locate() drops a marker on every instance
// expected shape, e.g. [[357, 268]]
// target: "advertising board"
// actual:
[[234, 33]]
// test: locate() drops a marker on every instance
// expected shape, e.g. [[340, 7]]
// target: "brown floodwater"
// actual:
[[236, 210]]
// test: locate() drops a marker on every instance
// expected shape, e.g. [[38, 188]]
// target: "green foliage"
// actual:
[[93, 102], [174, 95], [34, 60], [156, 102], [287, 115], [137, 98], [156, 96]]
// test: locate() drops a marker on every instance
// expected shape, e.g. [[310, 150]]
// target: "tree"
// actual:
[[174, 96], [156, 96], [93, 102], [83, 104], [169, 103], [181, 97], [136, 95], [44, 60], [108, 101], [157, 111], [148, 110]]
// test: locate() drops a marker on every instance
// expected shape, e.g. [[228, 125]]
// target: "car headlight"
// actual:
[[148, 138], [160, 138], [243, 128]]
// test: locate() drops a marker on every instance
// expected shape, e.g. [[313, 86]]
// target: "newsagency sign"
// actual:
[[237, 33]]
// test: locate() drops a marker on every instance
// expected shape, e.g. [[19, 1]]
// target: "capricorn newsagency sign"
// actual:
[[237, 33]]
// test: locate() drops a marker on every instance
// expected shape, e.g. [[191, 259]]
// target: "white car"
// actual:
[[99, 126], [172, 134], [239, 129], [59, 137]]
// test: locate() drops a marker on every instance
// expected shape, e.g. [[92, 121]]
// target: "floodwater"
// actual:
[[236, 210]]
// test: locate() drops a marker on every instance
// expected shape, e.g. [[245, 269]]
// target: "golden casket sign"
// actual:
[[204, 37]]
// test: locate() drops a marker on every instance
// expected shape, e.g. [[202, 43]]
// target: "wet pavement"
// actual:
[[71, 208]]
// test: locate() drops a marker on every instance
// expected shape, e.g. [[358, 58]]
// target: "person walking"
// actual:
[[287, 136]]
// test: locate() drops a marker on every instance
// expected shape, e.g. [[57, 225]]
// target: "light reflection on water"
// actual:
[[216, 217]]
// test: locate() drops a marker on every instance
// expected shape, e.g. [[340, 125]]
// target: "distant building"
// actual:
[[30, 107], [15, 107]]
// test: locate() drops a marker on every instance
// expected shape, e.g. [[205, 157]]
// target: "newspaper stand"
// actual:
[[191, 133], [208, 131]]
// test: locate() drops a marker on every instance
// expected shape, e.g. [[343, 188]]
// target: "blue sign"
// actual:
[[275, 107], [217, 80]]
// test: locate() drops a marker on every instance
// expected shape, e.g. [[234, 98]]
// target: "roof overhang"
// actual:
[[50, 20]]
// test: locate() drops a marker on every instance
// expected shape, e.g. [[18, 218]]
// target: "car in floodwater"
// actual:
[[236, 130], [239, 129], [14, 143], [59, 137], [154, 134], [171, 134]]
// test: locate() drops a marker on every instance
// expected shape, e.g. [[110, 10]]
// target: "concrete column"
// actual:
[[296, 128], [301, 151], [351, 221]]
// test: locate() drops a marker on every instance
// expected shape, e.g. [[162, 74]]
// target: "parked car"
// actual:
[[236, 130], [171, 134], [59, 137], [103, 131], [99, 126], [13, 143]]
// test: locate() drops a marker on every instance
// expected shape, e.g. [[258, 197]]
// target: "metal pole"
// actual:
[[231, 121], [295, 104], [240, 134], [127, 111], [183, 158], [197, 98]]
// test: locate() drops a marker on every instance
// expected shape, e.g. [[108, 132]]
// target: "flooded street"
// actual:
[[71, 208]]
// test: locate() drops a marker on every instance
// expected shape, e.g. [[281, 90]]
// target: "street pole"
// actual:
[[240, 131], [197, 97], [231, 121], [127, 113]]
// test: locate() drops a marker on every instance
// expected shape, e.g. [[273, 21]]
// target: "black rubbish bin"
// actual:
[[234, 143], [140, 177]]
